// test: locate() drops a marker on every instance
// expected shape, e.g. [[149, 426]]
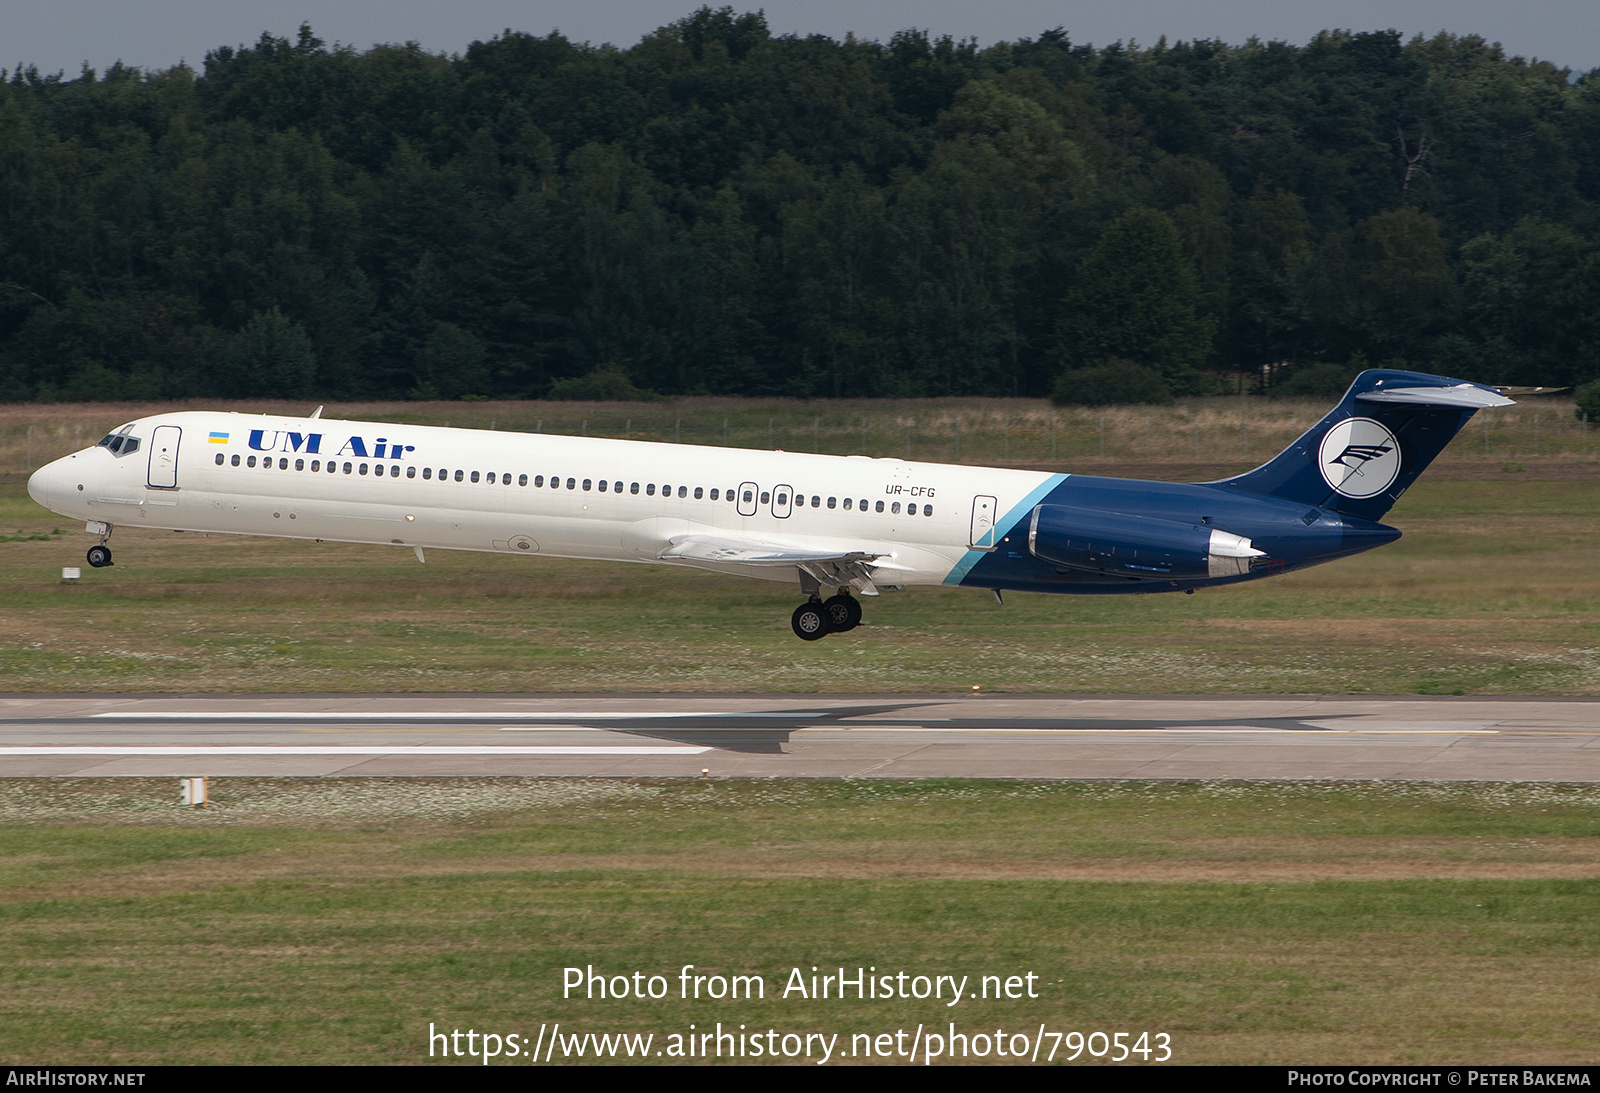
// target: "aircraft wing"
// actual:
[[822, 565]]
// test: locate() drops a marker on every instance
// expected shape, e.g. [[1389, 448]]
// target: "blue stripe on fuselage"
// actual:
[[1003, 527]]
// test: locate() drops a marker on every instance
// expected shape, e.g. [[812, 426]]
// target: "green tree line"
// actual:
[[721, 210]]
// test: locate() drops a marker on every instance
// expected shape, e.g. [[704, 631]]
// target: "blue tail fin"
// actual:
[[1363, 455]]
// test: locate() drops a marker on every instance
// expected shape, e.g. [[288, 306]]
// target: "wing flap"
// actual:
[[706, 548], [816, 566]]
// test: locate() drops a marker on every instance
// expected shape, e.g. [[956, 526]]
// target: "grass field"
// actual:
[[1492, 591], [331, 921]]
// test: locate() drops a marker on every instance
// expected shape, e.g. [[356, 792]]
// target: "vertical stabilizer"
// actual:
[[1368, 450]]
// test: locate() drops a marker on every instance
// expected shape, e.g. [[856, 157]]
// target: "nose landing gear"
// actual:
[[818, 618], [100, 555]]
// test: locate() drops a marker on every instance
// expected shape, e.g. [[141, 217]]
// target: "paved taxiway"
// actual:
[[819, 736]]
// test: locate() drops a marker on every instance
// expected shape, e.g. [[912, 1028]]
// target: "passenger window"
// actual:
[[604, 485], [650, 489], [572, 483], [927, 510], [616, 487], [538, 480], [833, 502], [633, 488], [474, 476], [427, 473], [347, 468], [747, 497], [816, 502], [783, 499], [522, 480], [879, 507], [895, 508], [251, 462], [299, 464], [588, 484], [764, 496], [283, 464], [235, 461], [394, 470], [411, 472], [316, 464], [219, 459], [666, 491], [363, 468], [683, 491], [713, 494], [848, 504], [460, 475], [699, 493], [911, 510], [863, 505]]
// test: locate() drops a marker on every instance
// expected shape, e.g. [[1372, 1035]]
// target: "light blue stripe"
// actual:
[[1001, 527]]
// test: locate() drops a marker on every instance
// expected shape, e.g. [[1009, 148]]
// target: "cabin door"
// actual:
[[164, 457], [983, 517]]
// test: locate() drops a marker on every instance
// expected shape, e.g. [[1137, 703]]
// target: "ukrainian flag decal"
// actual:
[[219, 438]]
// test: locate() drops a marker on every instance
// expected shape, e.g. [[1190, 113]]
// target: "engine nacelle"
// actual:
[[1136, 547]]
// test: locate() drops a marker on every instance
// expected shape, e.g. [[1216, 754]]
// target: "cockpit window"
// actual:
[[119, 443]]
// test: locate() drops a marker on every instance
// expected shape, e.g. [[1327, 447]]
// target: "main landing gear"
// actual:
[[818, 618]]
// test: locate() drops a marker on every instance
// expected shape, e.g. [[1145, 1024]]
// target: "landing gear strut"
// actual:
[[818, 618]]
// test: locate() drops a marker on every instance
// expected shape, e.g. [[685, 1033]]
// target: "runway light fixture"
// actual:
[[71, 572]]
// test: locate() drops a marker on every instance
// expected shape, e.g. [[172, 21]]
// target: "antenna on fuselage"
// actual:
[[316, 413]]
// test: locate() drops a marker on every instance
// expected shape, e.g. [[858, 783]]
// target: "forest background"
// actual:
[[717, 210]]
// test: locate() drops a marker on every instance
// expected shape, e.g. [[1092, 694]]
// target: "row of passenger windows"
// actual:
[[555, 483]]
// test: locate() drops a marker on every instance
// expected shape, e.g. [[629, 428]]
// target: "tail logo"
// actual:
[[1359, 457]]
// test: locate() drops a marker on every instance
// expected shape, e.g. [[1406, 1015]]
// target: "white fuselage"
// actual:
[[518, 493]]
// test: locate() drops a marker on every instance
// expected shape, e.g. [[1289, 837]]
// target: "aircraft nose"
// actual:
[[40, 485]]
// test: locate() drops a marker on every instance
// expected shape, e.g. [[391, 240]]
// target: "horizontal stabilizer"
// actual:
[[1466, 395]]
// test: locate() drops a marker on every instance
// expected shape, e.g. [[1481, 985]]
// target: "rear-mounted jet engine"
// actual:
[[1136, 547]]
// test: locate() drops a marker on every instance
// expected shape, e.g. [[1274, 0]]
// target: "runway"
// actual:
[[813, 736]]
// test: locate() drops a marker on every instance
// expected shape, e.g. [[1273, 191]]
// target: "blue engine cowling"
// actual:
[[1136, 547]]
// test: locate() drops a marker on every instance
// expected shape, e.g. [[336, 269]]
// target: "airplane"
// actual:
[[849, 523]]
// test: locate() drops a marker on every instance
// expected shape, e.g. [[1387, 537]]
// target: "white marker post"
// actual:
[[196, 793]]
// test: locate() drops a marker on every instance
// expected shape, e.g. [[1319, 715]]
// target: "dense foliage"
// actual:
[[720, 210]]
